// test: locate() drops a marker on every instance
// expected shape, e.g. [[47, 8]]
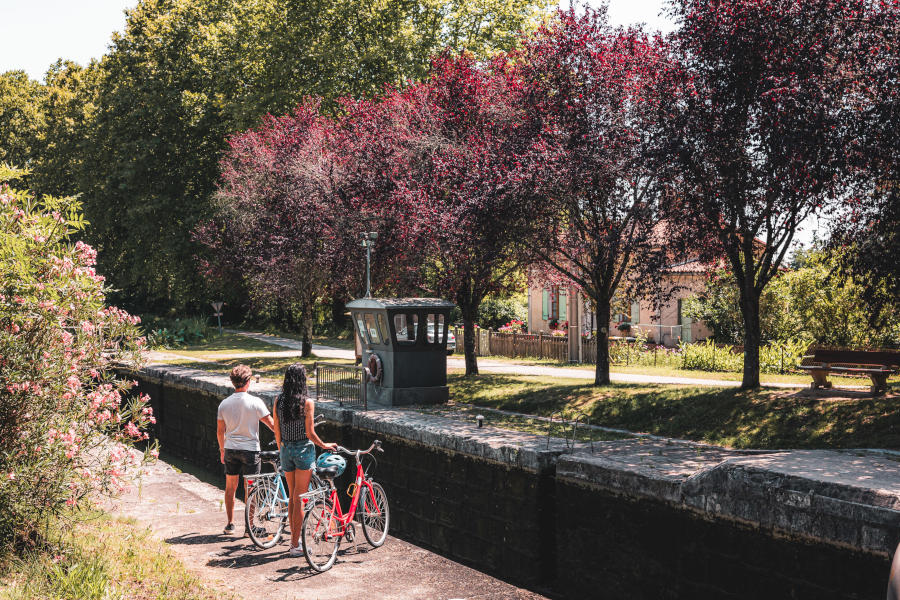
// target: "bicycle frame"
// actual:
[[337, 512]]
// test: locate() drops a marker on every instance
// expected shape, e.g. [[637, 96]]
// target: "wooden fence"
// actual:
[[518, 345], [543, 345]]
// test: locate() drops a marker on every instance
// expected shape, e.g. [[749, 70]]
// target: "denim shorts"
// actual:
[[297, 456]]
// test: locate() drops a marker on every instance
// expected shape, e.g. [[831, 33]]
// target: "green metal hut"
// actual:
[[404, 343]]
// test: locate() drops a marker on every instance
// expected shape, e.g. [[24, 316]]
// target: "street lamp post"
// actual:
[[369, 238]]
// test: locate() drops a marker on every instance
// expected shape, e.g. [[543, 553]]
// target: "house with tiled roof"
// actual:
[[553, 307]]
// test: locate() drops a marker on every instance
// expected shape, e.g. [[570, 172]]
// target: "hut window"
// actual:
[[383, 329], [372, 329], [435, 329], [441, 330], [406, 326], [361, 325]]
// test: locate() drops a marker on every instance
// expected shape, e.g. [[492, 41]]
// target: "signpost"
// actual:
[[217, 307]]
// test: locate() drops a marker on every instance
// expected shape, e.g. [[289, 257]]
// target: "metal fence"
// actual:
[[345, 384]]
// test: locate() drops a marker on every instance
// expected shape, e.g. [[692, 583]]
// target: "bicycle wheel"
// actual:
[[376, 514], [319, 534], [264, 516]]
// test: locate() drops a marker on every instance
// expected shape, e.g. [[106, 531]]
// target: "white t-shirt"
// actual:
[[241, 413]]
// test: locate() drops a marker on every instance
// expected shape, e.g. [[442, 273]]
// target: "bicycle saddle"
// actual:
[[268, 455], [328, 472]]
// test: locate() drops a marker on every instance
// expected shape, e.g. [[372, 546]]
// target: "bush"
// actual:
[[64, 419], [783, 356], [812, 301], [719, 308], [706, 356], [776, 357], [173, 333], [496, 312]]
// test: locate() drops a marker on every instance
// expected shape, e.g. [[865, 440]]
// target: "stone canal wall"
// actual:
[[637, 518]]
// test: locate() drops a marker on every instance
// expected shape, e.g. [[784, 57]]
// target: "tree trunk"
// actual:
[[469, 345], [338, 318], [752, 337], [306, 326], [601, 369]]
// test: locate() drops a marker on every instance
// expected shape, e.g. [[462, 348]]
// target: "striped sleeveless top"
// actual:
[[292, 430]]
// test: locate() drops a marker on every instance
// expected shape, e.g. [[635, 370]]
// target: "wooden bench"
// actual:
[[877, 364]]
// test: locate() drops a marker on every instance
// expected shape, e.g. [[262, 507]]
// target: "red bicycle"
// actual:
[[325, 525]]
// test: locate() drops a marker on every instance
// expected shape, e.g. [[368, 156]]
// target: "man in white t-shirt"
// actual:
[[237, 428]]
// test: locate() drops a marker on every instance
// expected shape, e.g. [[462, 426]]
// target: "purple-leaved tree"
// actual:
[[760, 142], [602, 94]]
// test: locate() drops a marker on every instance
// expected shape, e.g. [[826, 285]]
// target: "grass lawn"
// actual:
[[345, 343], [227, 343], [269, 369], [464, 412], [731, 417], [102, 558], [800, 378]]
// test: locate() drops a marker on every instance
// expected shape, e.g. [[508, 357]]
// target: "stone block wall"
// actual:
[[483, 514], [622, 547]]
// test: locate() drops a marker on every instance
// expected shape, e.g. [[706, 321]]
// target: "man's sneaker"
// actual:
[[229, 529], [296, 550]]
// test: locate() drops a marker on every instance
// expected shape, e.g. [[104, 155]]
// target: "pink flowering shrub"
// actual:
[[66, 424]]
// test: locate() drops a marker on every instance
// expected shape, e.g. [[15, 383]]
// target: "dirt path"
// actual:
[[187, 513]]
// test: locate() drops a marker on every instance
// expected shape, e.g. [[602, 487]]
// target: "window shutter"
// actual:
[[545, 305], [635, 313], [563, 305]]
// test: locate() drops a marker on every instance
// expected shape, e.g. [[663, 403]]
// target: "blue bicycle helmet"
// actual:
[[327, 459]]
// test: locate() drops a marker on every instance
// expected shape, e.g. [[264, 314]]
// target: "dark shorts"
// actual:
[[297, 456], [241, 462]]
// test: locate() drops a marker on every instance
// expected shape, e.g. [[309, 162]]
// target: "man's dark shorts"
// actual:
[[241, 462]]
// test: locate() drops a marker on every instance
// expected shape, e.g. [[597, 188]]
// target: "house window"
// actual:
[[635, 313], [554, 304], [562, 300]]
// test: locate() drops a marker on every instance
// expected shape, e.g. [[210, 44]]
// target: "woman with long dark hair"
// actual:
[[295, 434]]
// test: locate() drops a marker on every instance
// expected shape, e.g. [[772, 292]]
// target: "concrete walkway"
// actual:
[[187, 513], [505, 368]]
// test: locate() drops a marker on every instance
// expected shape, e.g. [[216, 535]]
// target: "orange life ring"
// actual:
[[375, 367]]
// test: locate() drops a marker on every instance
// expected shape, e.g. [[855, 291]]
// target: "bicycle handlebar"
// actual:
[[376, 445]]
